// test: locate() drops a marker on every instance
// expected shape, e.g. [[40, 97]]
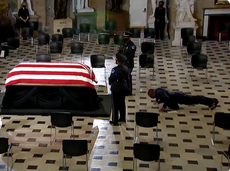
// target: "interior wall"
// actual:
[[199, 6], [99, 7]]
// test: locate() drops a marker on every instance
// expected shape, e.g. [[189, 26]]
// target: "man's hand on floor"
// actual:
[[162, 110]]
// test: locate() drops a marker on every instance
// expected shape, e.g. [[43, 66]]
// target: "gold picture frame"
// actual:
[[222, 2]]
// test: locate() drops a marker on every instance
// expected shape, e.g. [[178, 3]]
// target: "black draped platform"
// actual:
[[45, 100]]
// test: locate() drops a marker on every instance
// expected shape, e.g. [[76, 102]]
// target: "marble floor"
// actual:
[[184, 135]]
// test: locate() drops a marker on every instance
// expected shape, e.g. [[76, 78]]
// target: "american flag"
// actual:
[[51, 74]]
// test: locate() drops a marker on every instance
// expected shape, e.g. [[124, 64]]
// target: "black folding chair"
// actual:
[[226, 154], [61, 120], [146, 152], [98, 61], [221, 120], [5, 148], [146, 120], [77, 48], [74, 148], [43, 57], [199, 62]]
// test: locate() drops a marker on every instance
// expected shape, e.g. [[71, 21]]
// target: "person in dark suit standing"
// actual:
[[160, 20], [118, 80], [128, 49], [23, 15]]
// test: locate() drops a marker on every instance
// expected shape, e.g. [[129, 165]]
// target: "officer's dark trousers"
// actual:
[[189, 100], [160, 29], [118, 106], [130, 81]]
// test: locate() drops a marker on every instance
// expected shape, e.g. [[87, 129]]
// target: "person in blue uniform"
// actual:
[[160, 20], [172, 99], [119, 79], [128, 49]]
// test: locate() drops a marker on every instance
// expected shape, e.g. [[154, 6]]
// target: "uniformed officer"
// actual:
[[119, 80], [172, 99], [128, 49]]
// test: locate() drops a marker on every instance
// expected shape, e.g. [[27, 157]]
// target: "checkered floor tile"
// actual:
[[184, 135]]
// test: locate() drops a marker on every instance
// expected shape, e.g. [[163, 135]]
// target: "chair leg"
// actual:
[[63, 162], [8, 157], [47, 48], [72, 131], [79, 37], [139, 72], [32, 41], [134, 164], [139, 41], [219, 36], [157, 134], [159, 165], [88, 36], [86, 159], [206, 74], [105, 77], [213, 135], [221, 161]]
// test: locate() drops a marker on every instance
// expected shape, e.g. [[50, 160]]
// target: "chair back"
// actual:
[[224, 27], [118, 39], [221, 120], [61, 120], [13, 43], [146, 152], [43, 57], [188, 39], [77, 47], [146, 60], [27, 32], [149, 33], [147, 47], [67, 32], [84, 28], [34, 25], [43, 39], [103, 38], [4, 145], [56, 47], [194, 47], [199, 61], [110, 25], [75, 147], [136, 32], [146, 119], [186, 32], [57, 38], [97, 61]]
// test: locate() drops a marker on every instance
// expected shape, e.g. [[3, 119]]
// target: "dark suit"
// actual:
[[128, 49], [172, 99], [160, 25], [119, 79]]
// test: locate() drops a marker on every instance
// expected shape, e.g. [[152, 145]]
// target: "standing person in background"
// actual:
[[118, 80], [128, 49], [23, 15], [160, 20]]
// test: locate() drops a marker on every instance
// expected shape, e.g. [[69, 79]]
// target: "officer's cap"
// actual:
[[127, 33], [120, 57]]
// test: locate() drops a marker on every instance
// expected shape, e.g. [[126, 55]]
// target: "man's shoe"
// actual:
[[122, 120], [114, 123]]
